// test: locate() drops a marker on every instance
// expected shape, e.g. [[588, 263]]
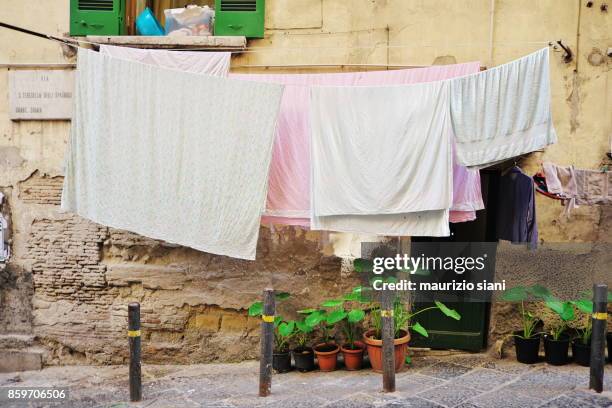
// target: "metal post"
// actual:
[[388, 344], [598, 337], [134, 340], [267, 343]]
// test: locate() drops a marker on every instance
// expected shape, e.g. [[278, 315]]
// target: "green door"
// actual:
[[470, 238]]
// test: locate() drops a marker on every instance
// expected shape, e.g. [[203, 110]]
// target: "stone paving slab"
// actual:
[[483, 379], [465, 381]]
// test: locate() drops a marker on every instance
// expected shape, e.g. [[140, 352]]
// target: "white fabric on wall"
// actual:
[[149, 157], [211, 63], [502, 112], [381, 156]]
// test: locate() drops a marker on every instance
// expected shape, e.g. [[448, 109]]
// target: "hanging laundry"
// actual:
[[593, 187], [516, 221], [540, 185], [211, 63], [147, 156], [560, 180], [502, 112], [289, 185], [467, 196], [381, 151]]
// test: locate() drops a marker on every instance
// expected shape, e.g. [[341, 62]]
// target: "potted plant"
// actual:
[[526, 341], [581, 345], [303, 355], [556, 342], [283, 332], [402, 321], [352, 349], [327, 351], [589, 295]]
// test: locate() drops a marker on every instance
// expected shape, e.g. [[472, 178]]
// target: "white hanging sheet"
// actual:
[[503, 112], [384, 153], [147, 156]]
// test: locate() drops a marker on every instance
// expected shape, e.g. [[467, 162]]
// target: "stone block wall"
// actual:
[[193, 305]]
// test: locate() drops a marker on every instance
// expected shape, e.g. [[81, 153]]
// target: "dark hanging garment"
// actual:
[[516, 220]]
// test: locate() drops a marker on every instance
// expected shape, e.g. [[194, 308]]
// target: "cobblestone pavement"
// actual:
[[462, 381]]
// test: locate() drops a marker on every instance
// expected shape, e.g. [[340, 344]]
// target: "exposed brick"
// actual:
[[41, 189]]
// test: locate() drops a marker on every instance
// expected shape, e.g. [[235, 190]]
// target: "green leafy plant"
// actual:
[[565, 311], [282, 334], [403, 318], [333, 312], [352, 317], [350, 328], [304, 329], [522, 294], [326, 320], [283, 330], [584, 331]]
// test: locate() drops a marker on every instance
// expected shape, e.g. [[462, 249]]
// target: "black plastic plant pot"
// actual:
[[609, 339], [527, 350], [281, 362], [556, 351], [304, 359], [581, 352]]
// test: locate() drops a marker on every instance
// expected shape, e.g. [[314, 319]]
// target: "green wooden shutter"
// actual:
[[97, 17], [240, 17]]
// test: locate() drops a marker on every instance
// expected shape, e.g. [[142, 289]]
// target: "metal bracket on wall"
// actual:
[[569, 55]]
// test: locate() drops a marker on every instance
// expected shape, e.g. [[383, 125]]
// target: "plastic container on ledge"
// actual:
[[147, 24], [189, 20]]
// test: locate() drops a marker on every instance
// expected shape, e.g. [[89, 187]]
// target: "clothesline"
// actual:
[[75, 42], [254, 50]]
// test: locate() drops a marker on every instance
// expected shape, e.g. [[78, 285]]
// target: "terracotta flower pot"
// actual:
[[327, 356], [353, 358], [374, 347]]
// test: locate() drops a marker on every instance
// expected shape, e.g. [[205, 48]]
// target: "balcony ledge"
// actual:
[[211, 43]]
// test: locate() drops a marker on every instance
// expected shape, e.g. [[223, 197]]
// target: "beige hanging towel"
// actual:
[[175, 156], [594, 187], [503, 112]]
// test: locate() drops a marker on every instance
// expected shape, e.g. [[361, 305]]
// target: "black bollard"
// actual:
[[267, 343], [388, 341], [598, 336], [134, 340]]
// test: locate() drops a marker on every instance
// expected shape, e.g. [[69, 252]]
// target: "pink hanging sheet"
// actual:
[[288, 199]]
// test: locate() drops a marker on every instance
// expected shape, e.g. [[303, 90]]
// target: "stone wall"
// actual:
[[68, 281], [193, 304]]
